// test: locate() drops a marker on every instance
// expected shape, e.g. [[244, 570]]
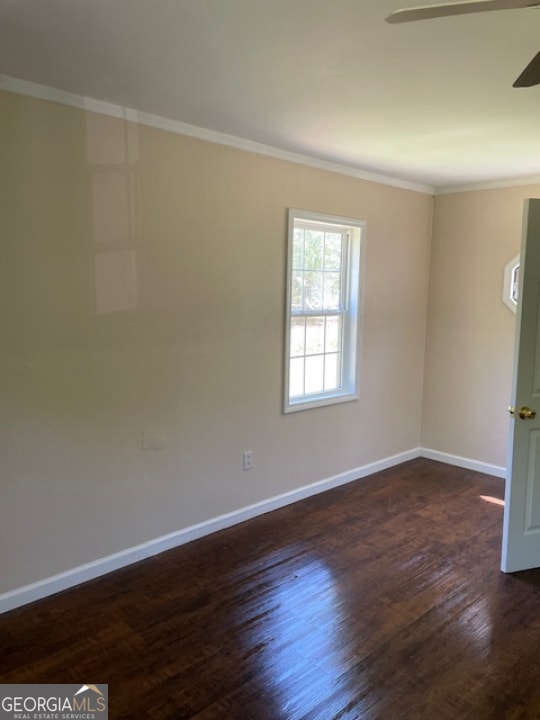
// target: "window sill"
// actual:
[[318, 401]]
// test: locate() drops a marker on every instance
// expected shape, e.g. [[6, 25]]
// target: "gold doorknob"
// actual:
[[526, 413]]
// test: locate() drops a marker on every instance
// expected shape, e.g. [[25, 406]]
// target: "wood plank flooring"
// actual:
[[381, 599]]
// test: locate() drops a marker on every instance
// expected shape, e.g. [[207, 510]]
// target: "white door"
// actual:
[[521, 530]]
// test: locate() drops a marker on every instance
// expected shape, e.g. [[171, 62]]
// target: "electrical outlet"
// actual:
[[247, 460]]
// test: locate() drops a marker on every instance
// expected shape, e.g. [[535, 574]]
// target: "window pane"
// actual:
[[298, 336], [332, 251], [314, 335], [323, 284], [296, 377], [296, 290], [332, 371], [514, 292], [314, 374], [332, 290], [313, 290], [333, 334], [298, 249], [313, 251]]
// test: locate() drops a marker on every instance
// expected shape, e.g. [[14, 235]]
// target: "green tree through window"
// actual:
[[322, 304]]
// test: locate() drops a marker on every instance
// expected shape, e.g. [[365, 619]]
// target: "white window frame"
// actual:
[[350, 309]]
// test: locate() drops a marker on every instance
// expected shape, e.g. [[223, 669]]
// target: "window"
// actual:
[[511, 283], [323, 297]]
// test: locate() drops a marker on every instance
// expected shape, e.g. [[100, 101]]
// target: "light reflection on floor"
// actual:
[[494, 500], [303, 661], [476, 622], [310, 646]]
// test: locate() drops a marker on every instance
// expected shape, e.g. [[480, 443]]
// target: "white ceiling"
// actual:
[[429, 102]]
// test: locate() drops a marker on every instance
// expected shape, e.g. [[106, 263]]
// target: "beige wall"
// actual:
[[470, 335], [142, 289]]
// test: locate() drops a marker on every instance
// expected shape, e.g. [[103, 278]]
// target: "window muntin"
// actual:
[[322, 310]]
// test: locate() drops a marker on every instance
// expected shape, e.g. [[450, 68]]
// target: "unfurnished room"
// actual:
[[269, 360]]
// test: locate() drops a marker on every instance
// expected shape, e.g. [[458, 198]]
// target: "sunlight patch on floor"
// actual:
[[494, 500]]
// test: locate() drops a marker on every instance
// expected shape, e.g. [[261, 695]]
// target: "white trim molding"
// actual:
[[102, 107], [44, 92], [467, 463], [75, 576], [494, 185]]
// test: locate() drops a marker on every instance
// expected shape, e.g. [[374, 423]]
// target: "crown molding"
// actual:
[[45, 92], [494, 185]]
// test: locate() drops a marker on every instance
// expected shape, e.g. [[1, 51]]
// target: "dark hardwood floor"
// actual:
[[380, 599]]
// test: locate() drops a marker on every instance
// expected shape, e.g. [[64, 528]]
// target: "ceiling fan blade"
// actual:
[[426, 12], [531, 75]]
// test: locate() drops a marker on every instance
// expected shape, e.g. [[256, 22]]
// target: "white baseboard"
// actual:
[[51, 585], [463, 462]]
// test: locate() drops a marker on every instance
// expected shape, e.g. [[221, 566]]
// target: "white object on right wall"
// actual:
[[511, 283]]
